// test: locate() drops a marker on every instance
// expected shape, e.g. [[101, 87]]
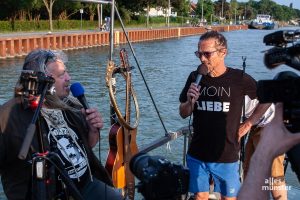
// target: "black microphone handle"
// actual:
[[83, 101], [198, 79]]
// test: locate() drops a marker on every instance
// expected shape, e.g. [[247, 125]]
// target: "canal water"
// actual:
[[165, 65]]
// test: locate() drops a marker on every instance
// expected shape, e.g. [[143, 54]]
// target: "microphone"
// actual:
[[198, 79], [78, 92], [199, 75]]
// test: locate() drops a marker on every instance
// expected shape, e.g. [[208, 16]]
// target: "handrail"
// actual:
[[184, 131]]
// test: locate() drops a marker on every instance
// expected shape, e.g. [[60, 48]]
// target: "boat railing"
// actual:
[[186, 132]]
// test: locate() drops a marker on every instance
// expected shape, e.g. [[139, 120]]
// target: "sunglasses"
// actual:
[[206, 54]]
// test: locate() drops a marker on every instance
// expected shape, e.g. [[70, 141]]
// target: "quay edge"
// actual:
[[15, 46]]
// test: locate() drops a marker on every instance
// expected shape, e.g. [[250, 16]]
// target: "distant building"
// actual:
[[160, 11], [193, 7]]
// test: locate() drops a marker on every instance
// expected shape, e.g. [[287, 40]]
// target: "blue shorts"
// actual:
[[225, 176]]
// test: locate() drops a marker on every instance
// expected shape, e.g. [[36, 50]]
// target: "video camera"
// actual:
[[159, 178], [33, 83], [286, 85]]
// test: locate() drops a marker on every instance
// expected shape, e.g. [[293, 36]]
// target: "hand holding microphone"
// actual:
[[193, 92], [93, 117]]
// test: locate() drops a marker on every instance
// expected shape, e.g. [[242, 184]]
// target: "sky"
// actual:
[[296, 3]]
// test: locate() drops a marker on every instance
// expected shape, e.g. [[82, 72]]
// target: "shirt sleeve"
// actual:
[[267, 117], [250, 86]]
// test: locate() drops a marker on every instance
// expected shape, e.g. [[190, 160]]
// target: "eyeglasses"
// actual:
[[207, 54]]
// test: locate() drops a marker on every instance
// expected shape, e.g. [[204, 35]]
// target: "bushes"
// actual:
[[74, 24], [5, 26], [43, 25]]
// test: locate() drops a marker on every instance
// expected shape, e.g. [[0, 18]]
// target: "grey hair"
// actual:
[[38, 59]]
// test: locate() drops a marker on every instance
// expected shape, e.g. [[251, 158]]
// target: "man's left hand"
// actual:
[[244, 129], [94, 118]]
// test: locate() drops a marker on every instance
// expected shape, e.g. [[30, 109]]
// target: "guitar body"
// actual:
[[120, 171], [132, 142], [112, 138], [115, 160]]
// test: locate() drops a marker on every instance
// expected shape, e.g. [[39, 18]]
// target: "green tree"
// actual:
[[49, 6], [180, 6], [208, 9], [233, 10], [11, 9]]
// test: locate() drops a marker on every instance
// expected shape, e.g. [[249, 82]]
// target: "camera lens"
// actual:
[[138, 163]]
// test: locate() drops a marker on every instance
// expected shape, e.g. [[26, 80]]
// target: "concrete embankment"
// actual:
[[20, 45]]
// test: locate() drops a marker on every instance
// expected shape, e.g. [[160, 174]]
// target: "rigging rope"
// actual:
[[140, 70]]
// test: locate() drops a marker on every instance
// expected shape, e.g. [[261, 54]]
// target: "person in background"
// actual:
[[274, 141], [216, 107], [277, 179], [67, 130]]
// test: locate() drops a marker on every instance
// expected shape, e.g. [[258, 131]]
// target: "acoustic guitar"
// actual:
[[130, 146], [122, 137]]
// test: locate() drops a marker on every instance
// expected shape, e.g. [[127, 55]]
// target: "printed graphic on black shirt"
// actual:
[[216, 106], [65, 142]]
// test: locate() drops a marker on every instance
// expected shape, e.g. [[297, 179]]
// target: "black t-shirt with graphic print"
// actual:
[[216, 114], [65, 141]]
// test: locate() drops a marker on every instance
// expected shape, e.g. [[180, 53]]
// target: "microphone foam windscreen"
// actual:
[[77, 89]]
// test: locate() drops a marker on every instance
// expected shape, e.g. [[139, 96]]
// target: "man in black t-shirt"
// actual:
[[216, 106]]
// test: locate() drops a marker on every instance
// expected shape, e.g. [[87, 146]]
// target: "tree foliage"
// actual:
[[35, 10]]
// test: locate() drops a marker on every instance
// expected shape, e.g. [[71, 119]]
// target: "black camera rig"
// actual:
[[159, 178], [286, 85], [34, 82]]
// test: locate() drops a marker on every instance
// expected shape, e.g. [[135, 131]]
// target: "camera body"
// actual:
[[285, 87], [159, 178], [33, 83]]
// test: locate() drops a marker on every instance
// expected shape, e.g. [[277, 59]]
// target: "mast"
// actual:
[[111, 31]]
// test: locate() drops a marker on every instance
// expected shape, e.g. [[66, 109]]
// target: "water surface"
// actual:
[[165, 65]]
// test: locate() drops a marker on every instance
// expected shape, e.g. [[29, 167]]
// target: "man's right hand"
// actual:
[[193, 93]]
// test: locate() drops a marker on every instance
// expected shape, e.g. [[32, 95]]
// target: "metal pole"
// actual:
[[101, 14], [111, 35], [222, 8], [202, 11], [235, 15], [169, 10], [81, 11], [81, 21]]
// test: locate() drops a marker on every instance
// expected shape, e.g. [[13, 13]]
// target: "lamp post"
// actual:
[[202, 11], [81, 11], [169, 9], [235, 15], [222, 8]]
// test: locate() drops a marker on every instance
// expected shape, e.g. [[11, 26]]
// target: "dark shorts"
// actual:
[[225, 176]]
